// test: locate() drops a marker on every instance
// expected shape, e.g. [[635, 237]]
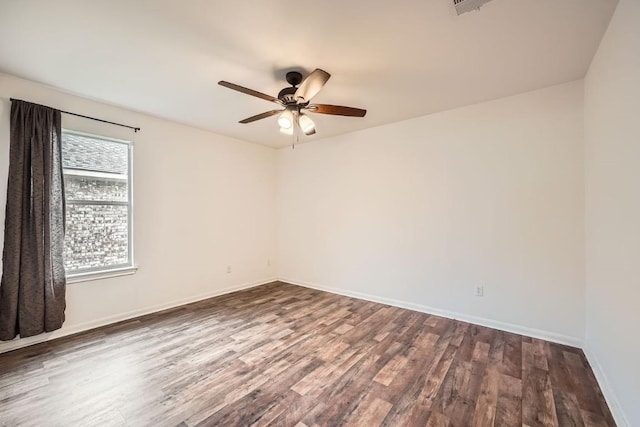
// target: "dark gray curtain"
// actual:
[[32, 290]]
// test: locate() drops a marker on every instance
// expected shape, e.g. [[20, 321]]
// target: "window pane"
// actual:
[[78, 187], [96, 236], [97, 190], [94, 154]]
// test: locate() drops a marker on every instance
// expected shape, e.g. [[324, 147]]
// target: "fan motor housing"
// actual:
[[286, 94]]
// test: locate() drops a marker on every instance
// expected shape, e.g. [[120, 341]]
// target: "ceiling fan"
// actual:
[[296, 101]]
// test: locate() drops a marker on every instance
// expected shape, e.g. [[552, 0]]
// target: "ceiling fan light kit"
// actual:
[[286, 119], [306, 124], [295, 100]]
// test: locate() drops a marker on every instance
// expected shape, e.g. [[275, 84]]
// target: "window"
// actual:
[[97, 179]]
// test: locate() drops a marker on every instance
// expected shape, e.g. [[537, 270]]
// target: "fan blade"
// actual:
[[260, 116], [311, 85], [337, 110], [249, 91]]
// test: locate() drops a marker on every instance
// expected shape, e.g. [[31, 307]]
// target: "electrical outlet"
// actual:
[[228, 269], [479, 290], [268, 263]]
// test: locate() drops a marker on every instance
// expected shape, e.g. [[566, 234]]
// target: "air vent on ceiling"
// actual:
[[463, 6]]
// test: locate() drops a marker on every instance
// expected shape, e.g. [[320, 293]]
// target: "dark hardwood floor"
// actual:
[[284, 355]]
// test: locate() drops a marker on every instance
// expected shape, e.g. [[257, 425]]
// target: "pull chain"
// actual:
[[296, 132]]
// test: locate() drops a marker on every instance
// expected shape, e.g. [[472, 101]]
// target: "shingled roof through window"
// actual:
[[93, 154]]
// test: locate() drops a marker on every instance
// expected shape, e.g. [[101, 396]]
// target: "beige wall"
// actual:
[[418, 213], [202, 202], [612, 135]]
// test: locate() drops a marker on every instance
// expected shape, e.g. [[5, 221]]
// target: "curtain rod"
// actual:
[[135, 129]]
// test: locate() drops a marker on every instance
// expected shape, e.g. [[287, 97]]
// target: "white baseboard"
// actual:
[[490, 323], [24, 342], [607, 390]]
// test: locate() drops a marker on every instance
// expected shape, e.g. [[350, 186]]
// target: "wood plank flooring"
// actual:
[[282, 355]]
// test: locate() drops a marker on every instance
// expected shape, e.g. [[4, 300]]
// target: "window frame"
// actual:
[[129, 267]]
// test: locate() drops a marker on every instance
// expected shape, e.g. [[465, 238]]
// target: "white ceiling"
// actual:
[[399, 59]]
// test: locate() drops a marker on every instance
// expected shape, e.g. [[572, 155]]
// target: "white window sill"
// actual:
[[98, 275]]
